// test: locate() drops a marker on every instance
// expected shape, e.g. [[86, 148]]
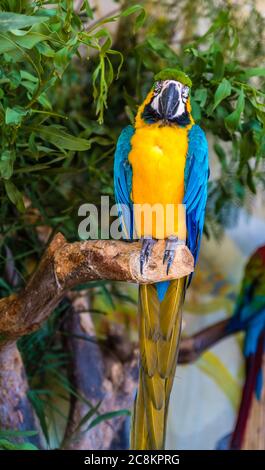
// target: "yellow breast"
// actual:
[[158, 158]]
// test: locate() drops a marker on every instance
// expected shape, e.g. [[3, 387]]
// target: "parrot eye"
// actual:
[[157, 87], [185, 92]]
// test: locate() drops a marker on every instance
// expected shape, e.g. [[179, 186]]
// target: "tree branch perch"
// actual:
[[65, 265], [193, 346]]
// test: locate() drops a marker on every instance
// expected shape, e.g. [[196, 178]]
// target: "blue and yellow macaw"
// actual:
[[162, 159], [249, 315]]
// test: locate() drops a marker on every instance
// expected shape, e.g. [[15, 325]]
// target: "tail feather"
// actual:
[[150, 305], [167, 351], [172, 302], [154, 420], [148, 344], [155, 389], [159, 331], [139, 435]]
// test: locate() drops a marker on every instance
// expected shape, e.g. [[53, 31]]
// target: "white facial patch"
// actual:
[[183, 95]]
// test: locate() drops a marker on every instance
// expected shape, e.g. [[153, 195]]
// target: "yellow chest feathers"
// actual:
[[158, 158]]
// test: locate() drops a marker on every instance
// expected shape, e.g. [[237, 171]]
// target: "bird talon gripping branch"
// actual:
[[164, 146], [146, 251], [169, 255]]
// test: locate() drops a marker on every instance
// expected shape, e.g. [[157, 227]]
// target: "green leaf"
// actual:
[[219, 66], [140, 20], [113, 52], [45, 49], [140, 17], [250, 181], [255, 72], [221, 155], [29, 40], [6, 44], [8, 445], [43, 100], [15, 115], [196, 110], [89, 414], [161, 48], [131, 10], [6, 163], [9, 21], [107, 297], [106, 416], [28, 76], [13, 433], [87, 8], [39, 407], [222, 92], [61, 139], [106, 45], [233, 120], [201, 96], [62, 59], [9, 44], [14, 195]]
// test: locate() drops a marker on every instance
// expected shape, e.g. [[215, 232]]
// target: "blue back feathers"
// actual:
[[123, 181], [196, 179]]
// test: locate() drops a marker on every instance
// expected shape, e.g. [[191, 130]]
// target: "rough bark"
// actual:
[[15, 409], [112, 381], [65, 265]]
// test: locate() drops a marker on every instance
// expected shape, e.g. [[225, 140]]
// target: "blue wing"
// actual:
[[249, 314], [123, 181], [196, 178]]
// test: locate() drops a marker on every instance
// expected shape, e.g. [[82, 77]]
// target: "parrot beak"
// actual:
[[168, 102]]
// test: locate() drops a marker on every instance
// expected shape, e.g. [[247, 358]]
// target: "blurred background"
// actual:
[[67, 88]]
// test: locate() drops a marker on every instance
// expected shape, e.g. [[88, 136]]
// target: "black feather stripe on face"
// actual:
[[168, 104], [150, 116]]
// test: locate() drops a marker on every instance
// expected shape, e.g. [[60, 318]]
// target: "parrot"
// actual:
[[249, 315], [161, 159]]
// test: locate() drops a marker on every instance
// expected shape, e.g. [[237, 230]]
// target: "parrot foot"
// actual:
[[147, 247], [171, 245]]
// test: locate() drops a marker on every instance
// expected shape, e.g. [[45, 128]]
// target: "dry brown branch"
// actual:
[[65, 265], [193, 346]]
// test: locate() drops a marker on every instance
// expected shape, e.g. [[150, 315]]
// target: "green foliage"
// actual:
[[110, 415], [37, 47], [227, 92], [9, 440]]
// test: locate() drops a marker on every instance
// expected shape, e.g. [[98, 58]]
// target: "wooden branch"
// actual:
[[193, 346], [65, 265], [15, 408]]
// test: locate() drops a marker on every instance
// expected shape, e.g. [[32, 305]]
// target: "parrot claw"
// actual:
[[147, 247], [169, 255]]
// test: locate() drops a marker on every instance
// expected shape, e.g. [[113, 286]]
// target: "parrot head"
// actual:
[[169, 100]]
